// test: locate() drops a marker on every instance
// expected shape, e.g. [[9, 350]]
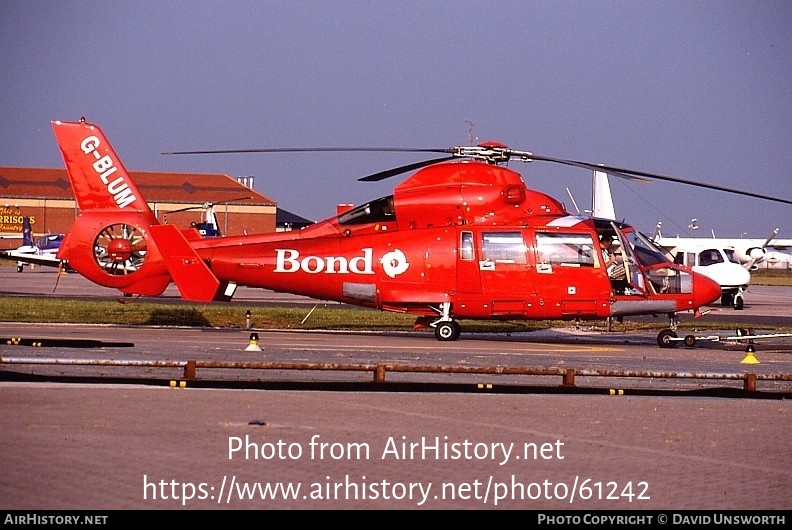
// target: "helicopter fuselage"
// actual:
[[463, 239]]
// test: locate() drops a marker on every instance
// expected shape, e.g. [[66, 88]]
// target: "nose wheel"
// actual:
[[738, 301], [667, 338], [733, 299]]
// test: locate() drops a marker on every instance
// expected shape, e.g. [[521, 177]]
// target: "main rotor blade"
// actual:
[[486, 153], [608, 169], [309, 150], [382, 175], [644, 176], [594, 167]]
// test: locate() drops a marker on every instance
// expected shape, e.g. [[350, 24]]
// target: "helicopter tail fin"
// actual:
[[117, 241], [98, 178]]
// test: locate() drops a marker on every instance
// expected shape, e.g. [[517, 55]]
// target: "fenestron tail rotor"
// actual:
[[120, 249]]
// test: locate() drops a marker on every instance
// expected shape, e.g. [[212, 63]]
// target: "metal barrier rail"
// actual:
[[568, 375]]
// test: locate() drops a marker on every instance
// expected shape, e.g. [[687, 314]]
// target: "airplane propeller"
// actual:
[[491, 152], [758, 254]]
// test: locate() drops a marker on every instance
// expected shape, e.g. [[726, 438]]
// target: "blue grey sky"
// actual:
[[700, 90]]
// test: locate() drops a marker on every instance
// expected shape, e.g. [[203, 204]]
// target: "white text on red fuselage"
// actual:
[[288, 260], [105, 167]]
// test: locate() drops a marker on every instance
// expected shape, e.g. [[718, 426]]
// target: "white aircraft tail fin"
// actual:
[[602, 201]]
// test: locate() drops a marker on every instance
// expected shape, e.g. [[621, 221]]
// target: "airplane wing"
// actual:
[[48, 260]]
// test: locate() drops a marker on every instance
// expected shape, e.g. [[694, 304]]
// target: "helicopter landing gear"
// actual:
[[666, 338], [446, 328]]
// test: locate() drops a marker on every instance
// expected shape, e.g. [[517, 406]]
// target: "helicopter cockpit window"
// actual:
[[665, 280], [565, 250], [377, 211], [503, 247], [646, 252]]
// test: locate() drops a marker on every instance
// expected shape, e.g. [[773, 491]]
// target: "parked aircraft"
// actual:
[[748, 252], [208, 225], [708, 258], [720, 264], [42, 251], [461, 238], [775, 259]]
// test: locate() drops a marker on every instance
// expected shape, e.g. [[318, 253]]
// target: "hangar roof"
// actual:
[[48, 183]]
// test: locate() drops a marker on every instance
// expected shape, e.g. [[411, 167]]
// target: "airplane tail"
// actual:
[[116, 240], [27, 233]]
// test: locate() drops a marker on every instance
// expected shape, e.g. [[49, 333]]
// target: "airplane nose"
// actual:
[[744, 277], [705, 290]]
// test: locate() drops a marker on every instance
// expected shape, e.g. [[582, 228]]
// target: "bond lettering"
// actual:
[[289, 260]]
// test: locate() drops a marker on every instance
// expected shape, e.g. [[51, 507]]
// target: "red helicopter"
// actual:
[[461, 238]]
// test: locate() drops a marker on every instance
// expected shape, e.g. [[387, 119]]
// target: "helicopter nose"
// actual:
[[705, 290]]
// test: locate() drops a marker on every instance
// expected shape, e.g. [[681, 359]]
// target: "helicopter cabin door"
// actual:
[[565, 266], [493, 268]]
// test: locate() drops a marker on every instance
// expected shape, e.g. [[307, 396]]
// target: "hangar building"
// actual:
[[45, 195]]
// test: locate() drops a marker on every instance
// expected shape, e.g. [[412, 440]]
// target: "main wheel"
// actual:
[[664, 339], [448, 330], [727, 299], [738, 302]]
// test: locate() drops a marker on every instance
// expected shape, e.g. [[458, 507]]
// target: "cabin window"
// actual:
[[503, 247], [378, 211], [466, 246], [710, 257], [565, 250]]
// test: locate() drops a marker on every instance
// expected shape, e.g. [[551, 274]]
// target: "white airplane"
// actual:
[[775, 259], [749, 252], [42, 251], [707, 256], [719, 263]]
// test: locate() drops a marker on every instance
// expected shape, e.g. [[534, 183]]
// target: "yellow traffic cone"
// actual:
[[750, 358]]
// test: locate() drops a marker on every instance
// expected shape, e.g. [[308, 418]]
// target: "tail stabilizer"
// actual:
[[192, 277]]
